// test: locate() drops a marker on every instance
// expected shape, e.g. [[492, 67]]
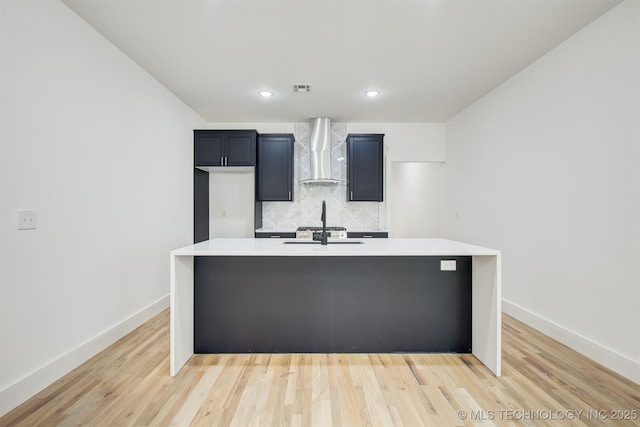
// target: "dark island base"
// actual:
[[331, 305]]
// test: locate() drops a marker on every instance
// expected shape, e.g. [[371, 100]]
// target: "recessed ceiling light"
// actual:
[[372, 93], [265, 93]]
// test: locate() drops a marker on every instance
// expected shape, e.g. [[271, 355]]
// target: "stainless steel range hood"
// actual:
[[320, 152]]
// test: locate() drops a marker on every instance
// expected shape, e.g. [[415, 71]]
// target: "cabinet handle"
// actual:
[[289, 195], [351, 198], [274, 236], [366, 235], [221, 161]]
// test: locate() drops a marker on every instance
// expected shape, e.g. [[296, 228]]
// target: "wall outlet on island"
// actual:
[[447, 265], [26, 219]]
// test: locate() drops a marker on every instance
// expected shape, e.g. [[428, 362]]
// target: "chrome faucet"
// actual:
[[322, 237]]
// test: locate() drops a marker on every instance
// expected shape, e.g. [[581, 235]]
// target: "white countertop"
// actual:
[[368, 247]]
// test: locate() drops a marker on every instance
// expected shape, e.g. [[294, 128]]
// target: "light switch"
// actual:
[[447, 265], [26, 219]]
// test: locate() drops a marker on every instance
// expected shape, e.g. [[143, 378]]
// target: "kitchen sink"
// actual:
[[316, 242]]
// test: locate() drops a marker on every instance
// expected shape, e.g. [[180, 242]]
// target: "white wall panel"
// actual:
[[546, 168], [414, 199], [103, 152]]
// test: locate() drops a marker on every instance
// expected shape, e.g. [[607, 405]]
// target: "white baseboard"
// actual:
[[18, 392], [597, 352]]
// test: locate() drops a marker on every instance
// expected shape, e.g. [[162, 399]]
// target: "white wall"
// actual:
[[102, 151], [414, 199], [232, 202], [260, 127], [546, 168]]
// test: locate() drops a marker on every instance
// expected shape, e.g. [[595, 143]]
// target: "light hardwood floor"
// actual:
[[543, 383]]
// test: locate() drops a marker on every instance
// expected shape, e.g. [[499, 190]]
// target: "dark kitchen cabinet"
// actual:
[[218, 148], [274, 169], [367, 234], [331, 304], [225, 148], [200, 205], [275, 235], [364, 167]]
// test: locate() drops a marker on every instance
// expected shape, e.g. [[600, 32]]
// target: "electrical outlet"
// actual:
[[26, 219], [447, 265]]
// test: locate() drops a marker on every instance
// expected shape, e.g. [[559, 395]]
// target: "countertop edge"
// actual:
[[369, 247]]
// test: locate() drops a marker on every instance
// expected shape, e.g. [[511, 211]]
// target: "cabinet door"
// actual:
[[208, 149], [365, 167], [241, 150], [275, 167]]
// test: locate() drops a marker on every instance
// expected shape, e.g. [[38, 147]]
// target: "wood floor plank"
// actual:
[[190, 408], [276, 391], [128, 384]]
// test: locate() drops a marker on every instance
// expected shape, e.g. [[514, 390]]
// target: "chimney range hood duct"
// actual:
[[320, 152]]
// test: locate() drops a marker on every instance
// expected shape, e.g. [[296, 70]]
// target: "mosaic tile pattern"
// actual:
[[307, 198]]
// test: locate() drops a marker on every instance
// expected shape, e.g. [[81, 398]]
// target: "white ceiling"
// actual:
[[430, 58]]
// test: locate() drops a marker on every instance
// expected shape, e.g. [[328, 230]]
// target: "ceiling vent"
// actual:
[[301, 88]]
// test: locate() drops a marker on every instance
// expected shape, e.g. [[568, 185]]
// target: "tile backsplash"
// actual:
[[307, 198]]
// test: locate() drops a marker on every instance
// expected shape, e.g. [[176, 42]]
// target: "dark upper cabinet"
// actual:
[[225, 148], [274, 169], [364, 167]]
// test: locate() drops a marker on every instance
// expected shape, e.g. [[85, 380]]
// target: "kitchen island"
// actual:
[[359, 296]]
